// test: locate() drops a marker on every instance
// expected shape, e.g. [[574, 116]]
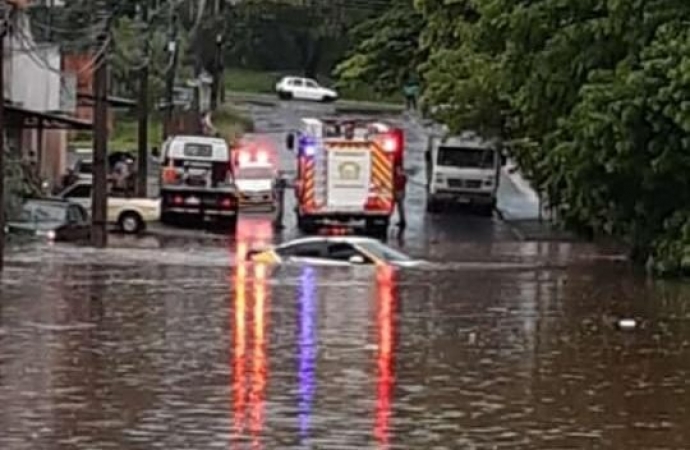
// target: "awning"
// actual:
[[21, 118], [84, 99]]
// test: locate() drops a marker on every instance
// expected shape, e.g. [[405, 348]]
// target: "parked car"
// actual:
[[334, 251], [52, 219], [129, 215], [304, 89]]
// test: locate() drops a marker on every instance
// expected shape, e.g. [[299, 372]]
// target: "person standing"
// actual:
[[411, 92], [400, 184]]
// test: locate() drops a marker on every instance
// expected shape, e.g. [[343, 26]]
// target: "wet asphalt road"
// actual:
[[166, 342]]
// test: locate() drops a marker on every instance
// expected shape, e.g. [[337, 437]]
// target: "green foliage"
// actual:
[[386, 53], [243, 80], [592, 95], [284, 35]]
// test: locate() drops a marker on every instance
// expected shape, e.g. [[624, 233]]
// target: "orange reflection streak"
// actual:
[[386, 284], [259, 356], [249, 232], [239, 348]]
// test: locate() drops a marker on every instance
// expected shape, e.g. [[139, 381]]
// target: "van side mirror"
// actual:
[[290, 141]]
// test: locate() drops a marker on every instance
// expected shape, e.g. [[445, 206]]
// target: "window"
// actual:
[[86, 167], [382, 251], [466, 157], [80, 191], [198, 151], [311, 84], [343, 251], [76, 214], [297, 82], [43, 212], [306, 250], [256, 173]]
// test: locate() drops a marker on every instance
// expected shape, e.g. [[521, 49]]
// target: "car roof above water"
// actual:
[[316, 239]]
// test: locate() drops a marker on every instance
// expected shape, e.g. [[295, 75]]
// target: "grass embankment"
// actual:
[[124, 136], [255, 81]]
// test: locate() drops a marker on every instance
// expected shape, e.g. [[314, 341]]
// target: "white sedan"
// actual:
[[304, 89]]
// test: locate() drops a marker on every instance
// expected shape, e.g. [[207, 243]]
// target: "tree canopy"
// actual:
[[592, 95]]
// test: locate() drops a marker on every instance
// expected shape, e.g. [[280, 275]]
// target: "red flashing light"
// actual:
[[226, 203], [244, 157], [262, 157], [178, 200]]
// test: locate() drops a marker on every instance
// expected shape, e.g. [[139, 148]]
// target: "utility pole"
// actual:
[[217, 86], [4, 11], [99, 234], [172, 72], [143, 110]]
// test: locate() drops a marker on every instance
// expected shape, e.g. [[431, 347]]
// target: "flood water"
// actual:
[[515, 345]]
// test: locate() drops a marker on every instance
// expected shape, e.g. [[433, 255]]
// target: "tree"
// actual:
[[387, 50], [591, 95]]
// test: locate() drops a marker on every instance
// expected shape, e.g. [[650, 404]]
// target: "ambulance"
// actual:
[[255, 173], [345, 174]]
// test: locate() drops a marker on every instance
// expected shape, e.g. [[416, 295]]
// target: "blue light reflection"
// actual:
[[307, 347]]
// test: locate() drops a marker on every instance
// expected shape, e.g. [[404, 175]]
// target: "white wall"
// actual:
[[32, 73]]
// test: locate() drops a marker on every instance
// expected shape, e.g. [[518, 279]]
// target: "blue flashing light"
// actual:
[[309, 150], [307, 146]]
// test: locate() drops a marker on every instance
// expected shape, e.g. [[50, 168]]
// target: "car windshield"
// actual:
[[466, 157], [255, 173], [383, 252], [86, 167], [43, 212]]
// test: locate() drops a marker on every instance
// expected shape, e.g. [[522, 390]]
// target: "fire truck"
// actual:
[[345, 173]]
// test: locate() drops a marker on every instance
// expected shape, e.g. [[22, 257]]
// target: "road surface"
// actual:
[[169, 342]]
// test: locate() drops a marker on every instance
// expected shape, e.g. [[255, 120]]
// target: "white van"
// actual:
[[197, 180], [462, 169]]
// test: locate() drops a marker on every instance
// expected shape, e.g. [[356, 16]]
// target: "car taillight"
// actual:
[[226, 203], [178, 200]]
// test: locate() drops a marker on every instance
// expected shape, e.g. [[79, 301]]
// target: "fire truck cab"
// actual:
[[345, 174]]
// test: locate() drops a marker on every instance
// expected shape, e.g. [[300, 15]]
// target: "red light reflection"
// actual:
[[385, 325], [259, 355], [240, 346], [257, 232]]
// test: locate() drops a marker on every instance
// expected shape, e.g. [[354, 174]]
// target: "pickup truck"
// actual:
[[129, 215]]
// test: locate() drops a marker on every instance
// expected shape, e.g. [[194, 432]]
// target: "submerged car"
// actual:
[[53, 220], [334, 251]]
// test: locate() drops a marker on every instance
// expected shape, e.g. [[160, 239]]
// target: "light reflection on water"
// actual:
[[307, 348], [142, 356]]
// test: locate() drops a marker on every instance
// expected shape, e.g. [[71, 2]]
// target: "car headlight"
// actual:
[[49, 234]]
